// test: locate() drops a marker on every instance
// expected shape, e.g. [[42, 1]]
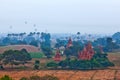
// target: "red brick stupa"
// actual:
[[57, 56], [87, 52]]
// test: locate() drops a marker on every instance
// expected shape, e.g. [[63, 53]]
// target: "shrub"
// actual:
[[52, 64], [47, 77], [1, 67], [35, 78], [6, 77], [24, 78], [64, 63], [37, 64]]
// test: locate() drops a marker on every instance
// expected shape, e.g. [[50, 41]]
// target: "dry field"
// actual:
[[67, 75], [29, 48], [115, 58]]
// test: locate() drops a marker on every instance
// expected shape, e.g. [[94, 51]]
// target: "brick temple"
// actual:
[[57, 56], [87, 53]]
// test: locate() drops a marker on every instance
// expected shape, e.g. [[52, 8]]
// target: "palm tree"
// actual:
[[8, 35], [78, 35], [38, 33], [21, 35], [30, 34]]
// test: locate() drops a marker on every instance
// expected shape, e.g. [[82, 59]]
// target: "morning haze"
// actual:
[[60, 16]]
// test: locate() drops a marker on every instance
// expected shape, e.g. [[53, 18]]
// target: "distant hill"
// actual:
[[29, 48]]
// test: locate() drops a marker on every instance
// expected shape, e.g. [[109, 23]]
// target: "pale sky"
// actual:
[[60, 16]]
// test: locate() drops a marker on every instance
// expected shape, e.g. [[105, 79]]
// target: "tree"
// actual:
[[37, 64], [109, 46], [6, 78], [1, 56], [6, 41], [60, 43], [35, 78], [8, 57], [29, 39], [65, 63], [46, 44], [1, 66], [68, 52], [100, 60], [46, 50], [73, 50], [38, 35], [74, 64], [24, 78], [21, 42], [34, 43], [48, 77], [78, 35], [52, 64], [100, 41], [23, 56], [15, 57], [77, 46], [95, 63]]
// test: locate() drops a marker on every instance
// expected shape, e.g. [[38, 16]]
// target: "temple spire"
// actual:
[[69, 43]]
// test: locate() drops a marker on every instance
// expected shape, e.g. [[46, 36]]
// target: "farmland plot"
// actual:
[[118, 75], [82, 75], [64, 75], [104, 75]]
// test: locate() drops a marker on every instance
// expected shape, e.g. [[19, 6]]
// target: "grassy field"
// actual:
[[36, 54]]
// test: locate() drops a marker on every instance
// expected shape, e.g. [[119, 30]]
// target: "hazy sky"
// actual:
[[60, 16]]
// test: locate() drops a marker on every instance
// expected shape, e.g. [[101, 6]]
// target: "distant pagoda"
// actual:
[[57, 56], [87, 53], [69, 43]]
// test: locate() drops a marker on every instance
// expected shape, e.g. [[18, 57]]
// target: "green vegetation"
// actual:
[[37, 64], [34, 43], [52, 64], [91, 59], [36, 54], [47, 77], [15, 57], [98, 61], [35, 78], [6, 78], [46, 44], [83, 64], [24, 78]]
